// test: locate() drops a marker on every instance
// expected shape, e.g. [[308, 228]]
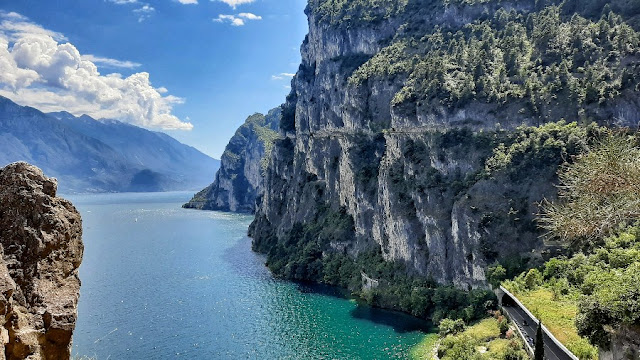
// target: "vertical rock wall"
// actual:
[[40, 252], [406, 174], [239, 182]]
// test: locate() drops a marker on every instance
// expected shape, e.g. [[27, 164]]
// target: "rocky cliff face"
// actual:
[[40, 252], [365, 137], [625, 344], [239, 182]]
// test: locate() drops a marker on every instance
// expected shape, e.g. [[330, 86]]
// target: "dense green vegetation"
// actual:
[[425, 349], [352, 13], [597, 288], [488, 339], [356, 12], [544, 60], [556, 306], [302, 255], [588, 293], [600, 192], [315, 251], [532, 149], [554, 64]]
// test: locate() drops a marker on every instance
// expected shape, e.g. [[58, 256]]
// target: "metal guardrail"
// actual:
[[544, 328], [524, 339]]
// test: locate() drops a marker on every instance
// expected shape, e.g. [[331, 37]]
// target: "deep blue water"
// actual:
[[161, 282]]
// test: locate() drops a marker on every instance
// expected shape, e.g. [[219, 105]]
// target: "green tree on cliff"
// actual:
[[599, 210], [598, 193]]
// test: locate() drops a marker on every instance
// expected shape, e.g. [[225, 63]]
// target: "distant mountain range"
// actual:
[[89, 155]]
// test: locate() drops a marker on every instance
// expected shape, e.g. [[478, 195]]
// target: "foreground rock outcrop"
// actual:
[[40, 252]]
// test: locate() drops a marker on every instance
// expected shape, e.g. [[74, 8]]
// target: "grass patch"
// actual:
[[484, 330], [558, 315], [498, 348], [482, 341], [424, 349]]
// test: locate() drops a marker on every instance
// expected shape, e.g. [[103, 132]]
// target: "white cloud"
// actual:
[[232, 19], [282, 76], [236, 3], [15, 16], [144, 12], [12, 76], [123, 2], [237, 20], [37, 70], [187, 2], [146, 8], [250, 16], [113, 63], [14, 26]]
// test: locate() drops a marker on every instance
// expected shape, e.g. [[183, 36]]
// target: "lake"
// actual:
[[162, 282]]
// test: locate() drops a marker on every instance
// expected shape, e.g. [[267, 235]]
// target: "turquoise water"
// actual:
[[161, 282]]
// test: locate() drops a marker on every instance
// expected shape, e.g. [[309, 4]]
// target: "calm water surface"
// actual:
[[161, 282]]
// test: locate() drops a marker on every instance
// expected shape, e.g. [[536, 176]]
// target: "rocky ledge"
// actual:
[[40, 252]]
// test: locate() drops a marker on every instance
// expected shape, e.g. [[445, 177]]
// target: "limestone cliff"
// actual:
[[395, 112], [239, 181], [40, 252]]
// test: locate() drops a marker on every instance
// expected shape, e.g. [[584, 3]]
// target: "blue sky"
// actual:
[[209, 64]]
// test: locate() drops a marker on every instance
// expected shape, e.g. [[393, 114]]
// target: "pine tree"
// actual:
[[538, 353]]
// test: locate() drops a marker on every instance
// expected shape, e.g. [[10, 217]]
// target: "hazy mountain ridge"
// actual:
[[88, 155]]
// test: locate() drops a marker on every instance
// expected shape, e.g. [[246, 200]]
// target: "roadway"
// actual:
[[520, 318]]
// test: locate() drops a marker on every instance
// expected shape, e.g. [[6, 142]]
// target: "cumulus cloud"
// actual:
[[237, 20], [187, 2], [236, 3], [39, 70]]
